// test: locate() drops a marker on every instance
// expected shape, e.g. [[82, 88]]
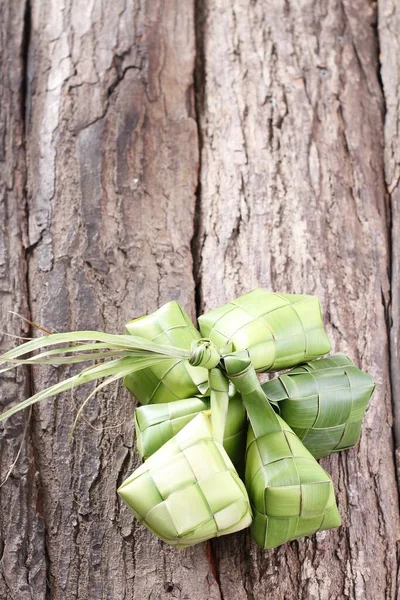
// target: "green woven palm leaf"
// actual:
[[188, 491], [324, 402], [155, 424], [292, 496], [290, 493], [278, 330], [174, 379]]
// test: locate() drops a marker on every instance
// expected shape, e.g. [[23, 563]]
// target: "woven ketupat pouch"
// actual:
[[173, 379], [292, 496], [278, 330], [155, 424], [324, 402], [188, 491]]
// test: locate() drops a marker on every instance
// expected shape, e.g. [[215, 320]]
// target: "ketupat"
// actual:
[[292, 496], [175, 379], [275, 331], [188, 491], [290, 493], [155, 424], [278, 330], [324, 402]]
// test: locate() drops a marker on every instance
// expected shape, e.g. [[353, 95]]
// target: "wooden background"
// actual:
[[165, 149]]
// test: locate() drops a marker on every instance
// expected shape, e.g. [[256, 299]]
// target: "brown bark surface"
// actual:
[[193, 151], [389, 36], [22, 544]]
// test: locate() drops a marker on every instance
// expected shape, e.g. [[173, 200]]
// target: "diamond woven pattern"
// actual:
[[324, 401], [279, 330], [292, 496], [172, 379], [189, 490], [155, 424]]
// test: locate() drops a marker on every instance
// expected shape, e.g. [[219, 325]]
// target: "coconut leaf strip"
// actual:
[[119, 368], [116, 341]]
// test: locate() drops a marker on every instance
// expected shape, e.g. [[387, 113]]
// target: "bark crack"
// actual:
[[387, 301], [26, 36], [25, 94], [198, 238], [199, 91]]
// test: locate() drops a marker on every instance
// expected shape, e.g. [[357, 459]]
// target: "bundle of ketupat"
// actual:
[[196, 389]]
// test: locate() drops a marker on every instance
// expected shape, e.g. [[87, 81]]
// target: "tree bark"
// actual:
[[389, 28], [193, 151], [294, 199], [22, 544]]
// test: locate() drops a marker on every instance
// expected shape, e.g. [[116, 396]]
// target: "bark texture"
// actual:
[[22, 545], [389, 35], [156, 150]]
